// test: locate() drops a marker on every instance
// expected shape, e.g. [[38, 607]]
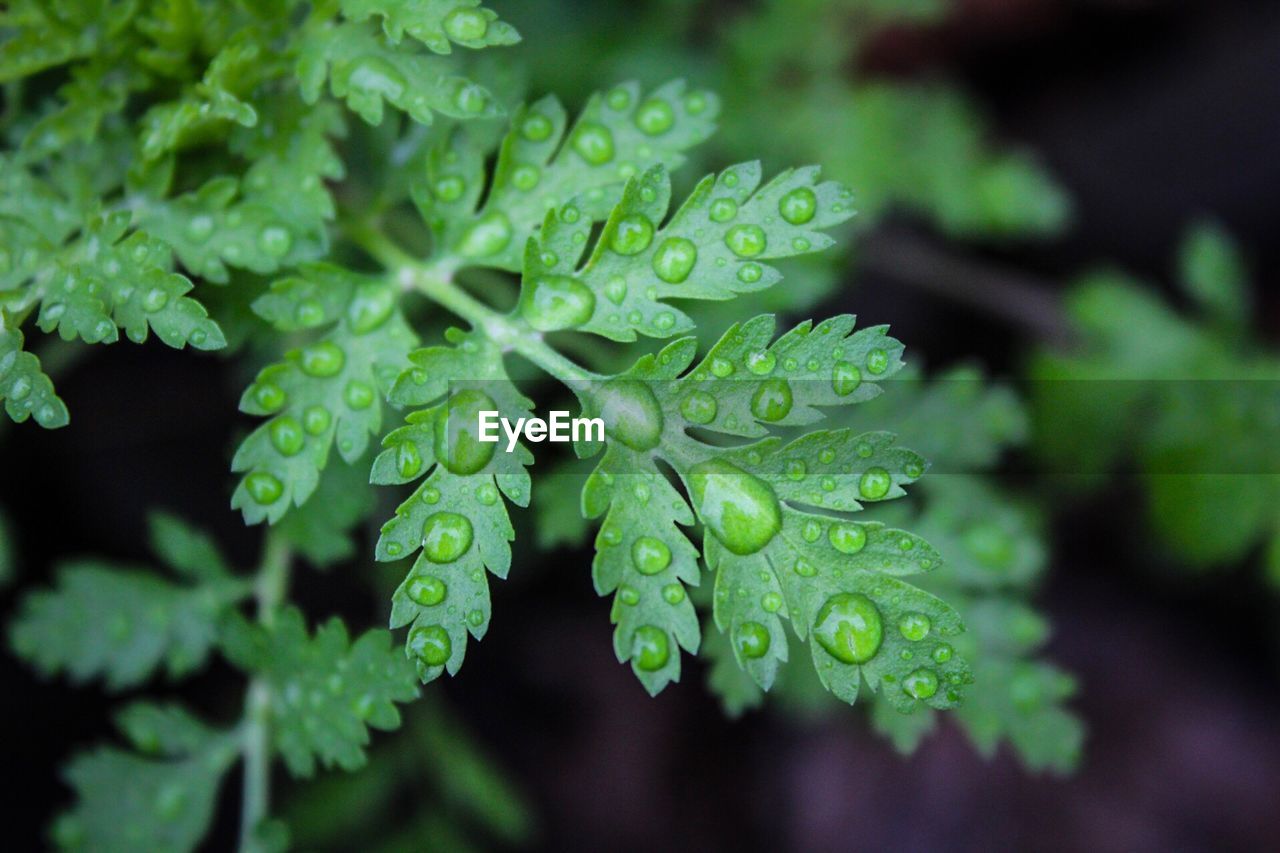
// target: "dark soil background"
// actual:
[[1150, 113]]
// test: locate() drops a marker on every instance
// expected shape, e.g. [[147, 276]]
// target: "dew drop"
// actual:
[[750, 273], [673, 593], [745, 241], [358, 395], [650, 555], [741, 510], [536, 127], [275, 241], [771, 602], [877, 361], [920, 684], [721, 367], [594, 143], [430, 644], [553, 302], [845, 378], [798, 206], [316, 419], [154, 300], [875, 483], [723, 209], [650, 648], [675, 259], [942, 653], [631, 413], [370, 307], [446, 536], [698, 407], [322, 360], [631, 235], [752, 640], [655, 117], [466, 24], [487, 236], [772, 400], [427, 590], [847, 537], [286, 435], [457, 444], [914, 626], [264, 488], [849, 628]]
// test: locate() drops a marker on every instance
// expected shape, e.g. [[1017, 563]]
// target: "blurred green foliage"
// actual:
[[1184, 397]]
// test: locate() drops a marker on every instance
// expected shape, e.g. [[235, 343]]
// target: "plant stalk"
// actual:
[[269, 589]]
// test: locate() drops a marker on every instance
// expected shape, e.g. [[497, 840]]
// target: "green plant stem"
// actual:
[[269, 588], [434, 279]]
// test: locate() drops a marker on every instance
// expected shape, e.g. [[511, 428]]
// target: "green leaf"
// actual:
[[535, 172], [118, 624], [326, 692], [188, 551], [126, 282], [24, 387], [162, 800], [218, 98], [321, 528], [274, 217], [456, 515], [711, 248], [439, 24], [365, 70], [1213, 273], [773, 560], [327, 392]]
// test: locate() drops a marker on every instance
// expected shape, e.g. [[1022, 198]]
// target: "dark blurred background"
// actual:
[[1149, 113]]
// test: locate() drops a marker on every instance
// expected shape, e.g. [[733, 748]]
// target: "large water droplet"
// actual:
[[849, 627], [457, 428], [723, 209], [536, 127], [875, 483], [264, 488], [845, 378], [920, 684], [316, 419], [427, 590], [631, 235], [914, 626], [552, 302], [650, 648], [650, 555], [358, 395], [286, 435], [798, 206], [655, 117], [430, 644], [752, 640], [674, 259], [877, 361], [408, 459], [594, 143], [154, 300], [446, 536], [698, 407], [466, 24], [275, 241], [739, 509], [631, 413], [370, 307], [322, 360], [847, 537], [772, 400], [487, 236], [745, 241]]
